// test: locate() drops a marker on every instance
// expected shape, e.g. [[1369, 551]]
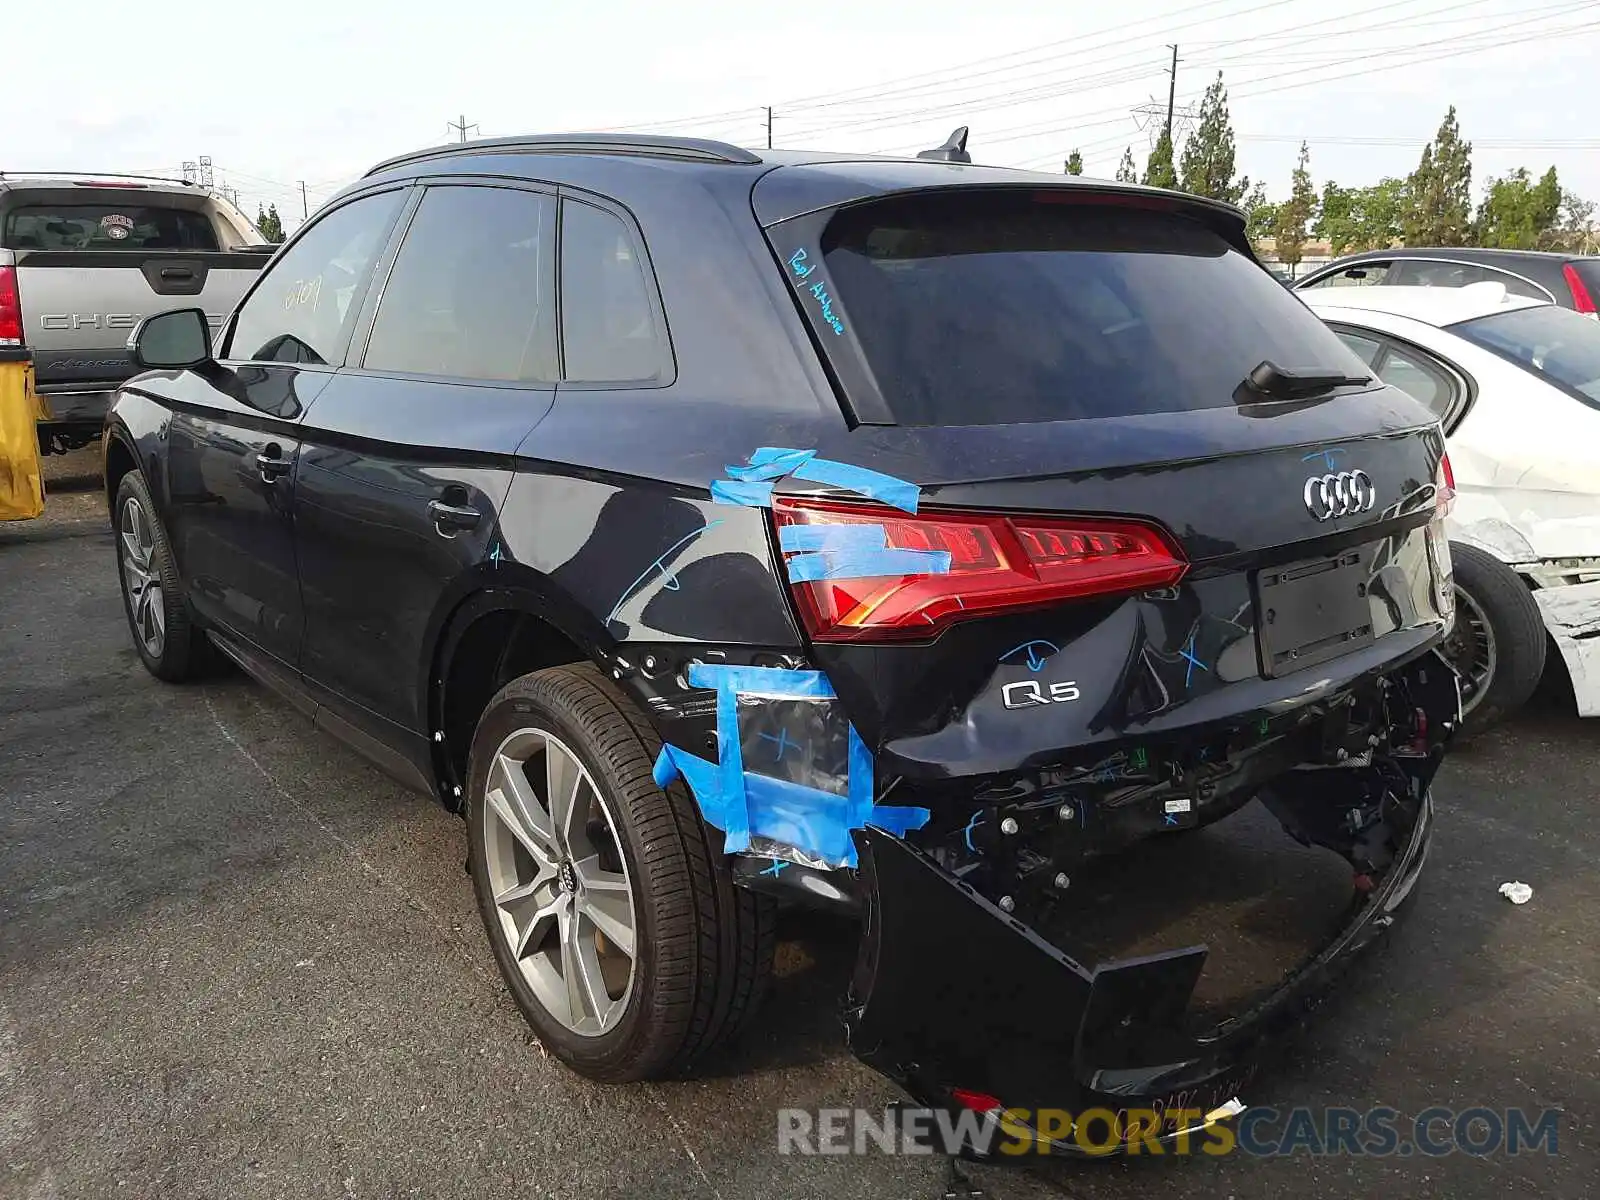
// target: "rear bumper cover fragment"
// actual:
[[951, 992]]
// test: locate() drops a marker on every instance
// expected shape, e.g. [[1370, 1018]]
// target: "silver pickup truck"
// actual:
[[82, 259]]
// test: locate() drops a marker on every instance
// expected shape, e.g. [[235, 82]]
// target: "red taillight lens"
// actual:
[[10, 308], [978, 1102], [1444, 488], [996, 563], [1581, 300]]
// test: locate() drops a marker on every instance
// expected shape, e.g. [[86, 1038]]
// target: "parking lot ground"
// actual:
[[235, 961]]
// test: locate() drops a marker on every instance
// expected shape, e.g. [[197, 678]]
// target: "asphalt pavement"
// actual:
[[236, 961]]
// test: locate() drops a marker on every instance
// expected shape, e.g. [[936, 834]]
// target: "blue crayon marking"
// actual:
[[1038, 650], [1188, 653], [782, 742], [669, 579], [776, 869], [1325, 455]]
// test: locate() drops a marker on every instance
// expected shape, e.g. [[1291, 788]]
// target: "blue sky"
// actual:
[[319, 91]]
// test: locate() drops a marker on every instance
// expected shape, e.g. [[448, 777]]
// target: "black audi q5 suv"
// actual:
[[712, 528]]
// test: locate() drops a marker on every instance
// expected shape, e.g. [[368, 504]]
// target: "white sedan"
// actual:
[[1516, 384]]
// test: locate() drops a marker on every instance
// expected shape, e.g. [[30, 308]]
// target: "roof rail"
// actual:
[[652, 145], [91, 175]]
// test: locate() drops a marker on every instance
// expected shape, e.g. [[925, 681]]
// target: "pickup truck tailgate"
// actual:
[[78, 308]]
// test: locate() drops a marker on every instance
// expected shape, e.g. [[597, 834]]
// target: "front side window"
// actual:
[[998, 307], [107, 227], [1552, 342], [304, 308], [1357, 275], [472, 292], [609, 329]]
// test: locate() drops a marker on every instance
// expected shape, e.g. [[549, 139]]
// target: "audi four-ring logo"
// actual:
[[1340, 495]]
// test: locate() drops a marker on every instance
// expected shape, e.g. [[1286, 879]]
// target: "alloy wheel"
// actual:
[[1472, 650], [141, 578], [560, 884]]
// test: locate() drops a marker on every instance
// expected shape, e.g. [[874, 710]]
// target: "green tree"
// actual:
[[1574, 231], [1260, 215], [1517, 213], [1439, 211], [1295, 213], [1074, 163], [1158, 170], [1361, 218], [269, 223], [1126, 171], [1207, 165]]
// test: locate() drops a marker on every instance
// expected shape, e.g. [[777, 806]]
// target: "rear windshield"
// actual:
[[1556, 343], [1016, 307], [107, 227]]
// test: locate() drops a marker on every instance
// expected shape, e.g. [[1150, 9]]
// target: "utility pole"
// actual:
[[461, 126], [1172, 89], [769, 127], [305, 210]]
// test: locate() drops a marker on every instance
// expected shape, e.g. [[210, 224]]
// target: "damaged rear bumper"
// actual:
[[1572, 616], [952, 994]]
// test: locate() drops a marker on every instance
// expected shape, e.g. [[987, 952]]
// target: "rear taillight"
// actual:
[[1581, 300], [10, 308], [1444, 488], [996, 563]]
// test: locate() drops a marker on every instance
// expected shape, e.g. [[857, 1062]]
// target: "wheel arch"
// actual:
[[490, 636]]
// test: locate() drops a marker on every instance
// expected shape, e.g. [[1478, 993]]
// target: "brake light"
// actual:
[[10, 308], [108, 183], [1581, 300], [1444, 488], [997, 563]]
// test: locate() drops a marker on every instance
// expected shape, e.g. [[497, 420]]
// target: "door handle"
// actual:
[[448, 519], [272, 464]]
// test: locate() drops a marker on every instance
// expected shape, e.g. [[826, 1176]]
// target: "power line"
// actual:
[[1248, 92]]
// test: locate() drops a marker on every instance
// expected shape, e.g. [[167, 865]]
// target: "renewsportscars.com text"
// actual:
[[1261, 1132]]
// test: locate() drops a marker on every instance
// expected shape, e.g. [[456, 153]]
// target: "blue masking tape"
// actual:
[[774, 682], [770, 462], [731, 772], [732, 491], [816, 822], [867, 564], [833, 537], [872, 484]]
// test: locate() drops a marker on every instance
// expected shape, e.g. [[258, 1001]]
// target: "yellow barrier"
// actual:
[[21, 482]]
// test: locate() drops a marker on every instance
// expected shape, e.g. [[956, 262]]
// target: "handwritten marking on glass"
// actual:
[[819, 289]]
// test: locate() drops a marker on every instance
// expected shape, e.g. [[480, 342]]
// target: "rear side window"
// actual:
[[1555, 343], [1426, 273], [472, 292], [1006, 307], [107, 227], [1417, 377], [304, 308], [609, 329]]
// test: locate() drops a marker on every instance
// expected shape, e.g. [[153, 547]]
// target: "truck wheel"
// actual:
[[170, 644], [1498, 644], [608, 902]]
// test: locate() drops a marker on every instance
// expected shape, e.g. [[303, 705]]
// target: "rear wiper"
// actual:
[[1272, 380]]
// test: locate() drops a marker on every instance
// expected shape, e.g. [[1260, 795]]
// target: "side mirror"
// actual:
[[172, 340]]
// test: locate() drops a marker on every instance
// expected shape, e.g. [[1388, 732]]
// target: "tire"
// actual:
[[701, 948], [1498, 645], [169, 642]]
